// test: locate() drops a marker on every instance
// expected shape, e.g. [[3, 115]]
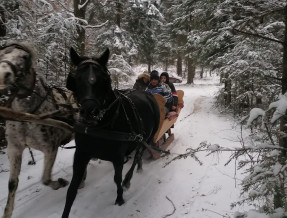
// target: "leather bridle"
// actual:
[[19, 76]]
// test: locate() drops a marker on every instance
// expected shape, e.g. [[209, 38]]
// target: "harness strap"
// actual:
[[48, 91], [107, 134], [116, 135], [155, 148], [135, 113], [134, 110]]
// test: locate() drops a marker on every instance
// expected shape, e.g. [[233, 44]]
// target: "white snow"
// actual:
[[281, 107], [192, 190], [254, 114]]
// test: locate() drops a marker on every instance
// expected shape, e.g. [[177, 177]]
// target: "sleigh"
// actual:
[[164, 137]]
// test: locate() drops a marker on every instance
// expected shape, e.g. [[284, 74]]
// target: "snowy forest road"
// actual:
[[182, 189]]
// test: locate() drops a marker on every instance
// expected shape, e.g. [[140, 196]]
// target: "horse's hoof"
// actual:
[[63, 182], [139, 171], [120, 202], [31, 162], [82, 185], [126, 186]]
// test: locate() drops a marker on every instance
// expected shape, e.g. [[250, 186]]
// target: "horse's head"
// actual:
[[15, 66], [90, 81]]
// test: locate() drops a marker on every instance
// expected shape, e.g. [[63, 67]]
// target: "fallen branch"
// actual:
[[203, 209], [215, 148], [8, 114], [174, 209]]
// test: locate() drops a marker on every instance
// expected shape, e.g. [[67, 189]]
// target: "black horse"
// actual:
[[112, 123]]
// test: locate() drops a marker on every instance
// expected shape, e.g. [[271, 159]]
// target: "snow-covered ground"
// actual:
[[182, 189]]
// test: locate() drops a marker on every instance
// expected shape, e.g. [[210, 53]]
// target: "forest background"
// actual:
[[242, 41]]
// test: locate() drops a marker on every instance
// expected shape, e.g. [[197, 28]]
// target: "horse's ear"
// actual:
[[71, 85], [75, 58], [103, 60]]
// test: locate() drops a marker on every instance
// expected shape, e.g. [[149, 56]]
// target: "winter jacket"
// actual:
[[162, 89], [173, 90], [140, 85]]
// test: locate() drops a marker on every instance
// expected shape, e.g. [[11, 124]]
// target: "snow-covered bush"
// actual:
[[264, 160], [120, 70]]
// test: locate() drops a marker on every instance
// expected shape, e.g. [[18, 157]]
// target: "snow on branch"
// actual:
[[254, 114], [280, 110], [97, 26], [80, 6], [257, 35], [281, 107], [45, 3]]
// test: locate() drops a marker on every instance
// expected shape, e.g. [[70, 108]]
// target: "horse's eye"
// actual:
[[25, 57], [73, 74]]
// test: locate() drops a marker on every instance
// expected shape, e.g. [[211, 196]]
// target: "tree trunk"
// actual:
[[227, 89], [3, 142], [118, 13], [190, 70], [201, 73], [2, 22], [165, 68], [284, 76], [149, 68], [80, 13], [279, 191], [179, 65], [283, 121]]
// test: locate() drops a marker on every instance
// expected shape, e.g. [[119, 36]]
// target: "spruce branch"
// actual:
[[257, 35]]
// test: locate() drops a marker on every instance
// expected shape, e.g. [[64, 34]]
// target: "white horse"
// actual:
[[32, 95]]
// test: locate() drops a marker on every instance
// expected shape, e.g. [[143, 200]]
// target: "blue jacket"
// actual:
[[162, 89]]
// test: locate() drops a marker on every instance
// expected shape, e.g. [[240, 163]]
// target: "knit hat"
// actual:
[[154, 75]]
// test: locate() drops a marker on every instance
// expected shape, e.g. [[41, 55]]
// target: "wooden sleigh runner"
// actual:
[[164, 137]]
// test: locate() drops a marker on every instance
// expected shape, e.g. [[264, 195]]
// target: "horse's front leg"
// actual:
[[15, 159], [49, 160], [79, 168], [118, 180]]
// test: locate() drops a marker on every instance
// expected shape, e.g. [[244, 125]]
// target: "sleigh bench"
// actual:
[[164, 137]]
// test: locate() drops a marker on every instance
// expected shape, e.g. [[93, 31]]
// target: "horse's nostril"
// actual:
[[7, 75]]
